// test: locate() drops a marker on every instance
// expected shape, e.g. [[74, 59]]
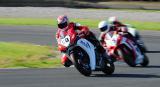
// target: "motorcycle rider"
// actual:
[[114, 21], [64, 25], [119, 25], [105, 28]]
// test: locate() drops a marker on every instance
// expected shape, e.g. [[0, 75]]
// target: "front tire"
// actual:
[[145, 61], [128, 57], [81, 61]]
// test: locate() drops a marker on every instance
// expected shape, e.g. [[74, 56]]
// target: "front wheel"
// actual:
[[127, 55], [145, 61], [81, 61]]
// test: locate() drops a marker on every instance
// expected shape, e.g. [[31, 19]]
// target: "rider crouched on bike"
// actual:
[[128, 31], [64, 25], [120, 27], [104, 28], [114, 21]]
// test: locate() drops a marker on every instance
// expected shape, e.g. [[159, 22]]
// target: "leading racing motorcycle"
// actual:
[[83, 55], [122, 48]]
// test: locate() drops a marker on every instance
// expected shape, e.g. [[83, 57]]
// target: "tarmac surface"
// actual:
[[124, 76]]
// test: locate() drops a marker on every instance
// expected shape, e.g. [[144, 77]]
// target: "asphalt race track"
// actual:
[[123, 76]]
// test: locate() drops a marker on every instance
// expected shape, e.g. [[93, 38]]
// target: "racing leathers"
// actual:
[[112, 29], [130, 33]]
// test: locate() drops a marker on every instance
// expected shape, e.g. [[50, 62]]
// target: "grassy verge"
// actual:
[[92, 23], [23, 55], [144, 25]]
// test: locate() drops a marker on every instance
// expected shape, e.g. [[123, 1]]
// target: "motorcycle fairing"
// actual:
[[89, 48]]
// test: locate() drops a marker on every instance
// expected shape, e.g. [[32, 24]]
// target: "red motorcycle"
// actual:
[[82, 54], [122, 48]]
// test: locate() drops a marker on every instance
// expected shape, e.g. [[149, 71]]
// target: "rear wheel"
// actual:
[[125, 53], [108, 67], [81, 61]]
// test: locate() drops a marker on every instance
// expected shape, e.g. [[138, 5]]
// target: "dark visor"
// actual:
[[104, 28], [62, 25]]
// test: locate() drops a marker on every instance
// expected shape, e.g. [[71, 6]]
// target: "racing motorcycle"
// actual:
[[122, 48], [83, 55]]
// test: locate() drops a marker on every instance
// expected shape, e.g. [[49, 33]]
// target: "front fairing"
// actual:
[[64, 43], [66, 39], [111, 40]]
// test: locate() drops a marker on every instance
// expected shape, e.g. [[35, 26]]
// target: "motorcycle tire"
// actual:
[[81, 61], [128, 57], [108, 68], [145, 61]]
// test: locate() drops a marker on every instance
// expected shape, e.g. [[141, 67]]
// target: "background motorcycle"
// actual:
[[82, 54], [122, 48]]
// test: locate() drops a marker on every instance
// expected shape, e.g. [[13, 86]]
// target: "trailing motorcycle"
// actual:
[[82, 54], [122, 48]]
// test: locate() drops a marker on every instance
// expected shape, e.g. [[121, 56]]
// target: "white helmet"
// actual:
[[112, 19], [103, 26]]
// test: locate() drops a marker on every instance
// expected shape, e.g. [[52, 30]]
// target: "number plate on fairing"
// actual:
[[65, 41]]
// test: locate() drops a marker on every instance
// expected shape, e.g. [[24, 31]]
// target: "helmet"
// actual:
[[112, 20], [103, 26], [62, 21]]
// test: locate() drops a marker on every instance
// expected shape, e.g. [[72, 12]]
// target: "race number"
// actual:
[[65, 41]]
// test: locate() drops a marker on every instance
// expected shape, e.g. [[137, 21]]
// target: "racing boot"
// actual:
[[65, 61], [68, 63]]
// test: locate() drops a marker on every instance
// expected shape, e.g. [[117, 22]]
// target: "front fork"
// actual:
[[72, 58]]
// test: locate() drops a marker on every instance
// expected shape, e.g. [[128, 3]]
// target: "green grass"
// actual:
[[27, 21], [24, 55], [92, 23], [144, 25]]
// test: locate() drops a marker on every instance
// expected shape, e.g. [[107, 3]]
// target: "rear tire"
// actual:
[[81, 61], [108, 67]]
